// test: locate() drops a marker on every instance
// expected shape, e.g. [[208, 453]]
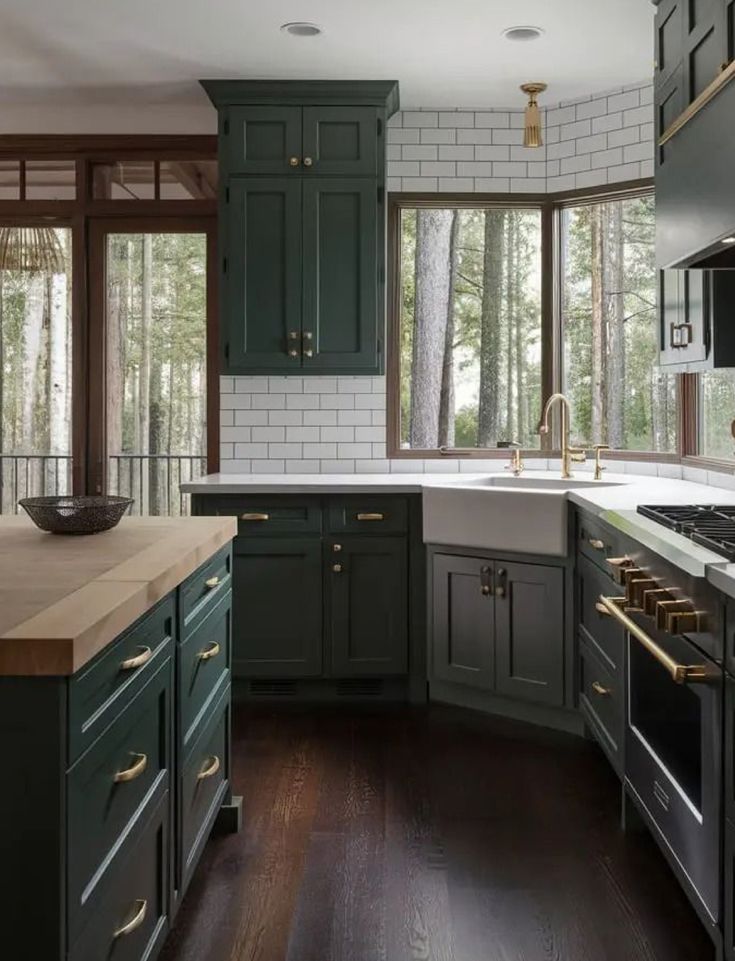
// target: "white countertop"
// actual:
[[616, 504]]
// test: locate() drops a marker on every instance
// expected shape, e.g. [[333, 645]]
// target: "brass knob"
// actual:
[[293, 353], [599, 689], [337, 568], [596, 544], [308, 161], [211, 583], [336, 548], [294, 161], [308, 353], [485, 590]]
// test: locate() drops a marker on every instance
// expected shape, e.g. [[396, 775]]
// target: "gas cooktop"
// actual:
[[710, 526]]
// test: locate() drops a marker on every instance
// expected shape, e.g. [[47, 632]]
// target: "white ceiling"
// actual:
[[443, 52]]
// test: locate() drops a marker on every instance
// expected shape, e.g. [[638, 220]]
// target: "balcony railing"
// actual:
[[152, 480]]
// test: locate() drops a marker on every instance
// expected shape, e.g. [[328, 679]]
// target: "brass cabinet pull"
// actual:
[[596, 544], [680, 673], [370, 517], [502, 589], [132, 772], [209, 769], [141, 909], [337, 568], [601, 609], [308, 161], [293, 161], [336, 548], [211, 583], [131, 663], [486, 575], [255, 517], [293, 353], [209, 652], [709, 92], [308, 338], [599, 689]]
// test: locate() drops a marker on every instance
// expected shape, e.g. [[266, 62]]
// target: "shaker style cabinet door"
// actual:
[[463, 642], [262, 275], [340, 140], [684, 315], [264, 140], [340, 270]]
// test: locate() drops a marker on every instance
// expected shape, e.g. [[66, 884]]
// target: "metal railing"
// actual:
[[32, 475]]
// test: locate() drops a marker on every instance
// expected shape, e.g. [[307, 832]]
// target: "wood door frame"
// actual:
[[96, 390]]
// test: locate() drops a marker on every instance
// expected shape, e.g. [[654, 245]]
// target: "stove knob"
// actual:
[[651, 598], [619, 566], [664, 609], [636, 589], [685, 622]]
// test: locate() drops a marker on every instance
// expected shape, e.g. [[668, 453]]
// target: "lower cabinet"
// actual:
[[499, 626], [601, 703]]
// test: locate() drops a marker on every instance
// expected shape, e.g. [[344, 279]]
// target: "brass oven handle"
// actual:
[[370, 517], [599, 689], [255, 517], [209, 769], [132, 772], [131, 663], [596, 544], [211, 583], [209, 652], [135, 922], [602, 610], [680, 673]]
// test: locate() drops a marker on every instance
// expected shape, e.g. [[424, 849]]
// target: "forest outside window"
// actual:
[[469, 327]]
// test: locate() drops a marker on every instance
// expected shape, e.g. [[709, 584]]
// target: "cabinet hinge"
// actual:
[[224, 265], [380, 127]]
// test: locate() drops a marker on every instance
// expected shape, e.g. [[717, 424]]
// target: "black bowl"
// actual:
[[76, 515]]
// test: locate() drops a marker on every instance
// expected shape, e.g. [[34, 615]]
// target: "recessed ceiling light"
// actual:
[[523, 34], [728, 240], [301, 29]]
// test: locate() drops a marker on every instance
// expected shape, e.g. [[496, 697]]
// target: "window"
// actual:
[[470, 326], [619, 396], [717, 414]]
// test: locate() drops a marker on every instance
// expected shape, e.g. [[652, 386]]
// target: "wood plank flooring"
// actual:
[[427, 835]]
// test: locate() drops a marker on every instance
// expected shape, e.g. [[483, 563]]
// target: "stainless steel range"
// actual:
[[674, 710]]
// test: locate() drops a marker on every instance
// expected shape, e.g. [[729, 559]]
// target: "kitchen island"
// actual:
[[114, 729]]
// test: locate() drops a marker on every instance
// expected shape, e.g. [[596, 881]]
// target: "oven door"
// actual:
[[673, 745]]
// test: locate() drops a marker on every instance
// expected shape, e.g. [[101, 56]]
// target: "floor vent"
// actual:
[[359, 687], [273, 688]]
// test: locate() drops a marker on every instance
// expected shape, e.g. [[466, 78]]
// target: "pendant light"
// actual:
[[35, 249], [532, 126]]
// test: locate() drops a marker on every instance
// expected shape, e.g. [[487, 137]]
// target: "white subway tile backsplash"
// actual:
[[610, 121], [436, 136], [320, 418], [302, 401], [623, 101], [456, 118], [269, 433], [246, 418], [285, 417], [268, 401], [309, 434], [322, 450], [303, 467], [354, 417], [268, 466]]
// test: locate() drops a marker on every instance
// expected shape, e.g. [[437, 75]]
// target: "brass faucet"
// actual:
[[516, 461], [569, 455]]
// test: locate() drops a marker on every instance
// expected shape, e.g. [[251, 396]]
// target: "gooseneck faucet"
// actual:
[[569, 455]]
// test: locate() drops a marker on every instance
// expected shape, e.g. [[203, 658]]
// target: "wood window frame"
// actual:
[[82, 215], [551, 207]]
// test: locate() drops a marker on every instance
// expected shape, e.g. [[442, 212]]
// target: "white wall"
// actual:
[[337, 424]]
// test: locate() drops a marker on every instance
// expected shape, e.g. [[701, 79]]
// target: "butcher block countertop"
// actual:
[[64, 598]]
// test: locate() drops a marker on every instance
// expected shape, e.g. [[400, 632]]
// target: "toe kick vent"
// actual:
[[359, 687], [274, 688]]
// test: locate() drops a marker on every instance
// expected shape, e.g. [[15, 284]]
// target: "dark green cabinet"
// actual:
[[368, 605], [302, 167], [694, 38], [696, 327], [277, 607]]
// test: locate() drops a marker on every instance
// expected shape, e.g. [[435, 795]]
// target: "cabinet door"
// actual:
[[264, 140], [341, 140], [705, 44], [262, 290], [529, 621], [368, 596], [277, 607], [463, 621], [340, 325], [685, 316], [670, 21]]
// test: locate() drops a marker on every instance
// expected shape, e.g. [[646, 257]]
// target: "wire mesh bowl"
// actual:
[[76, 515]]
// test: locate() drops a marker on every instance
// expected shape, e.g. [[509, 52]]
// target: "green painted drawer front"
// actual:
[[340, 275], [203, 591], [263, 139], [203, 668], [368, 592], [101, 808], [137, 899], [261, 327], [341, 140], [599, 630], [204, 781], [596, 541], [277, 607], [601, 703], [368, 514], [104, 687], [262, 515]]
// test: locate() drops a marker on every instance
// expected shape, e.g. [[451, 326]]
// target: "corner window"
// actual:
[[716, 414]]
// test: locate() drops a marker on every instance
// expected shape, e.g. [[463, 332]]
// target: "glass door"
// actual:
[[148, 362]]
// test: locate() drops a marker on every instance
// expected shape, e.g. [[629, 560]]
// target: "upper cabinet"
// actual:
[[302, 208], [696, 319], [694, 101]]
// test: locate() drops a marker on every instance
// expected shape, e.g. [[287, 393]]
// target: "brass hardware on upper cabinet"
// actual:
[[209, 769], [485, 581], [681, 336], [370, 517], [293, 336], [308, 161], [599, 448], [211, 583], [209, 652], [293, 353], [293, 161], [337, 568], [141, 907], [599, 689], [709, 92], [255, 517], [132, 772], [336, 548], [308, 338], [131, 663], [502, 589], [596, 544]]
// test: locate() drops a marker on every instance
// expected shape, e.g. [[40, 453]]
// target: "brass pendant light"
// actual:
[[33, 249], [532, 127]]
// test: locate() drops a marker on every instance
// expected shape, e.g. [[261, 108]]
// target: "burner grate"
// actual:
[[710, 526]]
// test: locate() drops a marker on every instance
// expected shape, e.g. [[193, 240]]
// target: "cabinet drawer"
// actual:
[[268, 515], [601, 702], [203, 667], [131, 921], [111, 783], [596, 541], [368, 515], [104, 687], [203, 590], [599, 630], [204, 782]]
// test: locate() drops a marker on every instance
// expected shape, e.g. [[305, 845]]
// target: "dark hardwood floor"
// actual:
[[427, 835]]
